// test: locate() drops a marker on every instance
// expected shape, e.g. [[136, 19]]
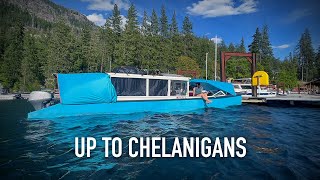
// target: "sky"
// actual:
[[230, 20]]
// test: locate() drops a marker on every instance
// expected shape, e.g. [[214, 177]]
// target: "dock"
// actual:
[[288, 100], [6, 97]]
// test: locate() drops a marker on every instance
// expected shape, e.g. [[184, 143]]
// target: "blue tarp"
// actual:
[[86, 88], [227, 87]]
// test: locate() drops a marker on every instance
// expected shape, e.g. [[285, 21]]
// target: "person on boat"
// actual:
[[198, 91]]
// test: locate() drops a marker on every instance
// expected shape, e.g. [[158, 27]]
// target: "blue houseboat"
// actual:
[[121, 93]]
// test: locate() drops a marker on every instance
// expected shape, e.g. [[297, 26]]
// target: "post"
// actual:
[[109, 64], [147, 87], [101, 65], [222, 68], [253, 70], [206, 66], [169, 87], [215, 60]]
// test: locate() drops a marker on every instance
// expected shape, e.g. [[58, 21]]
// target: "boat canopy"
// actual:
[[209, 84], [86, 88]]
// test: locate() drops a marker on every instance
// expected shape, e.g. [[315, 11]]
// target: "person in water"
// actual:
[[198, 91]]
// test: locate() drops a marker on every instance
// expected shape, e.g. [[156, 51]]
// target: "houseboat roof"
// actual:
[[166, 77]]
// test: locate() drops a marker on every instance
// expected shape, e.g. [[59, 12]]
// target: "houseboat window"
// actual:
[[158, 87], [129, 86], [178, 88]]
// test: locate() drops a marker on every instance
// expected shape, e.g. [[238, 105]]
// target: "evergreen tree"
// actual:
[[163, 23], [255, 45], [174, 25], [231, 48], [146, 29], [154, 23], [132, 19], [10, 70], [62, 53], [127, 50], [187, 26], [306, 57], [30, 65], [242, 47], [102, 50], [83, 51], [265, 47], [287, 73], [115, 20], [318, 63], [188, 38]]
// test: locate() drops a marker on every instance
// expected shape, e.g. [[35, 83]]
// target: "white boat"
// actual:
[[244, 88]]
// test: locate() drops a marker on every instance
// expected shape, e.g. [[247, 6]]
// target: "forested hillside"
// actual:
[[35, 44]]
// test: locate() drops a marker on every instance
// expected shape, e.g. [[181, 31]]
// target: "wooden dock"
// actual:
[[289, 100]]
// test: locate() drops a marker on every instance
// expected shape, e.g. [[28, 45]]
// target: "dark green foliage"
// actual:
[[62, 52], [163, 23], [287, 75], [232, 48], [30, 65], [12, 55], [187, 26], [266, 49], [174, 31], [132, 22], [115, 20], [256, 43], [242, 47], [307, 61], [32, 49], [154, 23], [146, 28], [317, 63]]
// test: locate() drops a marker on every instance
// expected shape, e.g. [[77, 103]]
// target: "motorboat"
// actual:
[[243, 87]]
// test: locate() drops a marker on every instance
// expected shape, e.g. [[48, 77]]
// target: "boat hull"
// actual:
[[129, 107]]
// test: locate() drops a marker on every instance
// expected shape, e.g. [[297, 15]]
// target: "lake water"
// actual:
[[282, 143]]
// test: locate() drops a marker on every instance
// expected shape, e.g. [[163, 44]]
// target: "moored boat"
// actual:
[[120, 93], [243, 87]]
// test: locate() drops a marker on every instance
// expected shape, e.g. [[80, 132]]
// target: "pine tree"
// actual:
[[242, 47], [115, 20], [62, 53], [187, 26], [255, 45], [10, 70], [306, 57], [127, 50], [29, 65], [83, 51], [231, 47], [163, 23], [146, 29], [318, 63], [174, 25], [154, 23], [132, 19], [265, 47], [188, 38]]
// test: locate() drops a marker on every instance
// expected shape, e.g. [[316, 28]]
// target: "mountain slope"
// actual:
[[51, 12]]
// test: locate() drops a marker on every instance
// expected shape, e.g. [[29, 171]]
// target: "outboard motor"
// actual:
[[40, 99]]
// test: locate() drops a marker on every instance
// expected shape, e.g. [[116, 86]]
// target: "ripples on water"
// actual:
[[281, 143]]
